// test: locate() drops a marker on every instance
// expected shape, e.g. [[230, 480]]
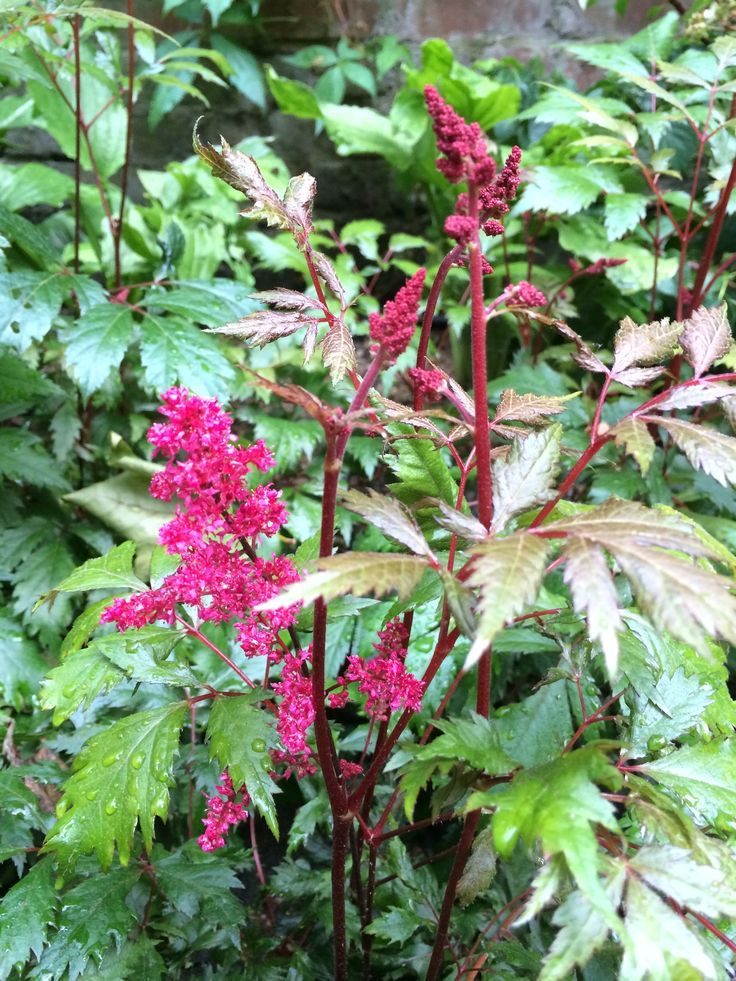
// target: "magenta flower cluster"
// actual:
[[223, 811], [393, 328]]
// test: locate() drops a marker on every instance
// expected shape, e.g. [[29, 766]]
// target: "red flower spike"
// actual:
[[393, 328]]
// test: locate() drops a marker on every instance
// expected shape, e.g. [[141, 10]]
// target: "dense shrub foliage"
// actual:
[[364, 590]]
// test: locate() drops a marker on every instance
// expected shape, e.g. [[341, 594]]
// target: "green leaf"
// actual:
[[525, 478], [537, 729], [508, 572], [31, 300], [623, 212], [143, 655], [120, 777], [703, 776], [111, 571], [26, 911], [674, 872], [390, 517], [421, 471], [33, 183], [357, 129], [292, 443], [209, 302], [28, 237], [240, 736], [21, 664], [308, 816], [246, 71], [480, 869], [636, 439], [21, 383], [559, 804], [293, 98], [94, 917], [594, 594], [95, 344], [359, 573], [78, 681], [566, 190], [173, 351], [196, 883], [23, 458], [474, 741]]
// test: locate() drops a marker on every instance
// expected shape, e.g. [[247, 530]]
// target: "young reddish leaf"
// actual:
[[636, 439], [585, 356], [338, 351], [508, 572], [639, 377], [593, 593], [296, 395], [390, 517], [328, 275], [463, 525], [298, 200], [526, 476], [706, 338], [530, 408], [480, 869], [689, 396], [283, 299], [706, 449], [264, 326], [644, 344]]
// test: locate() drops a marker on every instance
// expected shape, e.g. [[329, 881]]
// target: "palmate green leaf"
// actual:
[[78, 681], [582, 930], [559, 804], [21, 664], [674, 872], [95, 344], [240, 736], [173, 351], [474, 741], [594, 593], [706, 338], [658, 944], [526, 477], [623, 212], [94, 918], [636, 439], [359, 573], [568, 189], [209, 302], [121, 776], [390, 517], [26, 911], [23, 458], [508, 572], [706, 449], [111, 571], [703, 776], [644, 344], [195, 882]]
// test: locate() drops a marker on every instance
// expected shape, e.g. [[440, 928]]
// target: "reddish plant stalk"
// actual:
[[117, 229], [77, 142]]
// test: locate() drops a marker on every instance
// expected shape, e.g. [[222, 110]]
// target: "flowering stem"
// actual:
[[193, 632], [434, 294]]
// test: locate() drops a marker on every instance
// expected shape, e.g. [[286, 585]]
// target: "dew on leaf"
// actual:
[[258, 745], [137, 761], [111, 806], [110, 759]]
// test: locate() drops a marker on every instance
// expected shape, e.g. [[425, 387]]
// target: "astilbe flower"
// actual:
[[526, 295], [223, 811], [428, 382], [215, 527], [393, 328], [462, 145], [296, 712], [384, 679]]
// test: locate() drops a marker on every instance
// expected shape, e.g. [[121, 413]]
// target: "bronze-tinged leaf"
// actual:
[[644, 344], [534, 409], [585, 356], [706, 338], [298, 200], [634, 436], [526, 477], [264, 326], [328, 275], [389, 516], [705, 449], [338, 351], [689, 396], [283, 299], [296, 395], [639, 377], [463, 525], [594, 594]]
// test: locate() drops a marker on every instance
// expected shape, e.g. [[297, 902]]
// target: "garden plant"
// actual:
[[370, 592]]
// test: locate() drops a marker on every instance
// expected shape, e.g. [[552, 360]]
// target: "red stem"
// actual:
[[78, 142], [434, 294]]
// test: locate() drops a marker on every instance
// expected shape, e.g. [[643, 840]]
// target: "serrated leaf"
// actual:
[[703, 776], [674, 872], [689, 396], [338, 351], [240, 736], [328, 275], [567, 189], [559, 804], [636, 439], [264, 326], [526, 477], [173, 351], [584, 356], [32, 300], [705, 449], [21, 664], [283, 299], [94, 918], [359, 573], [143, 654], [24, 459], [120, 777], [644, 344], [111, 571], [658, 942], [529, 408], [622, 213], [208, 302], [463, 525], [21, 383], [26, 911], [474, 741], [594, 593], [78, 681], [96, 343], [706, 338], [480, 869], [421, 472], [508, 572], [195, 882], [390, 517]]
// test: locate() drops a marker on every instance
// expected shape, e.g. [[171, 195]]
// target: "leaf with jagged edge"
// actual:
[[706, 338], [636, 439], [283, 299], [328, 275], [338, 351], [359, 573], [703, 776], [264, 326], [706, 449], [559, 804], [659, 943], [530, 408], [547, 884], [463, 525], [639, 377], [78, 681], [480, 869], [582, 929], [690, 396], [674, 871], [389, 516], [111, 571], [584, 356], [644, 344], [26, 911], [508, 572], [690, 602], [240, 736], [120, 777], [526, 477], [475, 741], [594, 593]]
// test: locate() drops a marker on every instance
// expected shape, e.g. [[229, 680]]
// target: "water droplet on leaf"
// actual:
[[110, 759], [91, 795], [137, 761], [258, 745], [111, 806]]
